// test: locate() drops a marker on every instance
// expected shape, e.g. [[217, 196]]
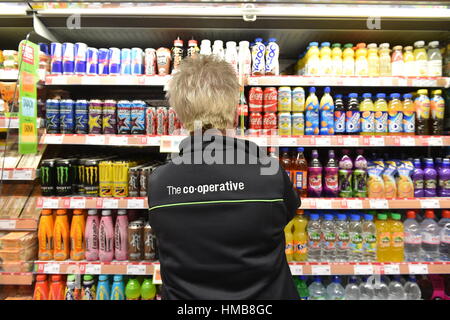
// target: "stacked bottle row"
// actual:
[[60, 287], [371, 60], [95, 238], [369, 237]]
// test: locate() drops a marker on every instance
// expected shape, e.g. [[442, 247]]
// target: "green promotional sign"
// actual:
[[28, 78]]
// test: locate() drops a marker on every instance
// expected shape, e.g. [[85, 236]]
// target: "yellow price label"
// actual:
[[27, 133]]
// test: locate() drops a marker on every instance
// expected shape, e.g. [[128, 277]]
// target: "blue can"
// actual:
[[125, 61], [138, 117], [137, 61], [103, 61], [66, 113], [52, 116], [92, 61], [56, 62], [114, 61], [81, 116], [43, 47], [68, 58], [80, 57], [124, 117]]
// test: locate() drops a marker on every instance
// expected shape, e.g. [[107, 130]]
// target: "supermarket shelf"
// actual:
[[13, 122], [91, 203], [101, 139], [19, 174], [12, 75], [350, 268], [89, 267], [349, 81], [106, 80], [366, 203], [20, 278], [18, 224]]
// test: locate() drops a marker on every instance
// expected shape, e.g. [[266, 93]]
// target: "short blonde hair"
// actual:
[[205, 89]]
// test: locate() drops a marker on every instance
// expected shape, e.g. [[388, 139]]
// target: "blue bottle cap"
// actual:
[[368, 217], [103, 277], [353, 279], [329, 217], [302, 278], [118, 277], [355, 217], [300, 149], [327, 90], [381, 96], [394, 95], [367, 95], [313, 44], [312, 90], [325, 44], [412, 278], [258, 40], [353, 95], [317, 279], [314, 216], [336, 279], [342, 217], [407, 96], [338, 96], [284, 149], [272, 39]]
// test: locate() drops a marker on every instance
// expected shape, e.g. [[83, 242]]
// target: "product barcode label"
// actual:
[[7, 224], [22, 174], [391, 269], [407, 141], [77, 203], [418, 269], [430, 203], [153, 141], [376, 141], [93, 269], [260, 141], [321, 270], [95, 139], [170, 144], [118, 140], [351, 141], [354, 204], [323, 141], [379, 204], [287, 142], [157, 274], [136, 269], [323, 204], [50, 203], [435, 141], [90, 80], [363, 269], [51, 268], [296, 270], [136, 204], [110, 203]]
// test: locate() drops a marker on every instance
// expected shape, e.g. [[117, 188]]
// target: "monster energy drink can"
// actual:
[[74, 168], [48, 177], [80, 190], [91, 177], [64, 177], [149, 243], [135, 240], [133, 182]]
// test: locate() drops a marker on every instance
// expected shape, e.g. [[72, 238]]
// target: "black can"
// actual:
[[48, 177], [91, 177], [133, 182], [64, 177], [80, 190], [75, 176]]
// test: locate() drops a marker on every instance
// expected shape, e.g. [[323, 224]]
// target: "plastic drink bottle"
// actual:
[[335, 290], [409, 115], [339, 115], [218, 50], [397, 238], [313, 59], [316, 290], [360, 177], [444, 178], [369, 235], [422, 106], [289, 241], [312, 113], [56, 291], [356, 238], [367, 117], [205, 47], [361, 63], [421, 59], [430, 178], [286, 161], [336, 59], [77, 228], [300, 238], [45, 235], [41, 291], [381, 114], [397, 63], [325, 66], [61, 236], [91, 235], [315, 176], [72, 292], [148, 290], [326, 113], [418, 179], [430, 232], [352, 124], [302, 288], [328, 239], [121, 236], [437, 167], [348, 60], [437, 108], [409, 62], [314, 238], [444, 246], [299, 173], [373, 60], [396, 291], [103, 289], [380, 290], [395, 114], [118, 288], [412, 289], [244, 59], [345, 175], [342, 238], [366, 290], [177, 54], [133, 289], [88, 290], [106, 237], [231, 55], [272, 54], [434, 59], [385, 60], [383, 237], [352, 289], [331, 185], [193, 49], [258, 57], [413, 237]]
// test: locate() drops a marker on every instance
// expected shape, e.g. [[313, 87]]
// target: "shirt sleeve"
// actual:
[[291, 198]]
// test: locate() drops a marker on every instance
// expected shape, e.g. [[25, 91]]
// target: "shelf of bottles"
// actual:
[[16, 278], [95, 267]]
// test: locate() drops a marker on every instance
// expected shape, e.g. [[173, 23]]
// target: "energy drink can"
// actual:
[[150, 120], [144, 174], [52, 119], [80, 190], [124, 117], [48, 177], [284, 124], [172, 121], [125, 61], [74, 173], [138, 117], [68, 58], [120, 179], [81, 116], [95, 116], [109, 117], [80, 57], [298, 99], [63, 177], [66, 114], [149, 243], [92, 61], [91, 177], [133, 182], [135, 240], [106, 179], [56, 60], [137, 61], [161, 121], [103, 61], [114, 60], [150, 61]]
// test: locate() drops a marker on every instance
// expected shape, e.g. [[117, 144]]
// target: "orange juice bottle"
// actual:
[[409, 115], [41, 288], [383, 237], [77, 248], [348, 60], [300, 237], [361, 63], [397, 238], [289, 249], [45, 235], [57, 288], [61, 236], [395, 115]]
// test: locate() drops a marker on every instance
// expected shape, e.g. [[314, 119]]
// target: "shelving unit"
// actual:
[[16, 278]]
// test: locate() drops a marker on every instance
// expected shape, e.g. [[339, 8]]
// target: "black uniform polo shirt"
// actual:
[[220, 226]]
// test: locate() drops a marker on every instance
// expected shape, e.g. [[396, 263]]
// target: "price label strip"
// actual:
[[118, 140], [430, 203], [379, 204], [324, 204], [110, 203], [50, 203], [96, 140], [78, 203], [136, 269], [22, 174], [136, 204], [354, 204], [52, 268], [53, 139], [319, 270], [418, 269], [7, 224], [363, 269], [93, 269], [391, 269], [296, 270]]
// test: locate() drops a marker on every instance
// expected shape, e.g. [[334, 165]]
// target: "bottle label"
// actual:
[[384, 239], [395, 120], [327, 121], [289, 249], [243, 110], [300, 247], [435, 68], [352, 121], [339, 121], [397, 239], [331, 181], [367, 121], [311, 123], [409, 122], [370, 242], [422, 105], [356, 242], [418, 184], [315, 181], [314, 240], [381, 121], [430, 238], [445, 238], [411, 238], [343, 239], [329, 240], [430, 184], [299, 179], [446, 184], [437, 106]]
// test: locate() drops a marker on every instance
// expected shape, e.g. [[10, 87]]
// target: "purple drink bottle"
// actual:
[[345, 176], [438, 166], [430, 178], [91, 235], [444, 178], [417, 177], [331, 186], [315, 176], [121, 236]]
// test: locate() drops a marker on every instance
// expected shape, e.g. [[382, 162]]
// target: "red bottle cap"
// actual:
[[429, 214], [56, 277], [411, 214], [446, 214], [178, 43], [41, 277], [192, 42]]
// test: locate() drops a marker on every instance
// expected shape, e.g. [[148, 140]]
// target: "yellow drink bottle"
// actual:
[[409, 62], [383, 238], [367, 119], [395, 115], [381, 114], [289, 237], [397, 238], [348, 60], [361, 63], [373, 60], [336, 59], [325, 59], [421, 59], [313, 59], [300, 238], [385, 60]]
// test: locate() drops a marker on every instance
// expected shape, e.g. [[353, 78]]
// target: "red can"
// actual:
[[150, 120], [161, 121], [172, 121], [270, 123], [255, 121], [270, 96], [255, 99]]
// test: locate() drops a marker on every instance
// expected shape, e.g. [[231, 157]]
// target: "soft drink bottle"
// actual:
[[77, 240], [444, 246], [381, 114], [300, 238], [326, 113], [314, 238], [373, 60], [438, 167], [369, 234], [335, 290], [328, 239], [244, 59], [106, 237], [348, 60], [430, 178], [299, 173], [325, 66], [437, 108], [352, 289], [360, 177], [316, 290], [342, 238], [409, 115], [430, 237], [395, 114], [133, 289], [413, 237], [361, 63], [352, 125], [412, 289], [121, 236], [302, 288], [45, 235], [242, 114], [422, 106], [205, 47], [286, 161], [231, 55], [444, 178], [356, 239], [41, 288], [315, 176], [397, 62], [396, 291], [434, 59], [385, 60], [312, 113], [383, 237], [61, 236], [118, 288], [103, 289], [380, 290], [272, 53], [218, 50], [336, 59], [91, 235], [420, 58], [289, 241], [331, 185], [345, 176], [366, 290], [148, 290], [366, 108], [88, 290], [56, 291], [339, 115], [417, 177], [397, 238], [72, 292]]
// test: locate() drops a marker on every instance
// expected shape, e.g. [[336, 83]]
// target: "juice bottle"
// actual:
[[361, 63], [434, 60], [345, 176], [299, 173], [103, 289], [325, 59], [88, 289], [148, 290], [133, 289], [385, 60], [300, 237], [367, 118], [373, 60], [395, 114], [383, 238], [313, 59], [352, 125], [106, 237], [348, 60], [430, 178], [61, 236], [289, 241], [381, 114], [77, 240], [409, 115], [315, 176], [45, 235], [360, 176], [285, 161], [422, 106], [217, 49], [339, 115], [41, 288], [91, 235], [336, 59], [72, 292], [57, 287], [409, 63], [326, 113], [312, 113], [121, 236], [331, 186], [437, 107], [421, 59], [118, 288], [397, 62], [397, 238]]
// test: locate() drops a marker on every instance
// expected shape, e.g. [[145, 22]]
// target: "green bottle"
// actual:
[[132, 289], [148, 290], [302, 288]]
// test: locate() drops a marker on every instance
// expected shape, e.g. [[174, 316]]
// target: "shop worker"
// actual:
[[218, 208]]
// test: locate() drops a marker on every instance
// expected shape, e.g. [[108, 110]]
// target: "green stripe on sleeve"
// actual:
[[214, 202]]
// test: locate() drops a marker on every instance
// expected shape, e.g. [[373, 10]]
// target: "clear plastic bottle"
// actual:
[[356, 240], [328, 239], [335, 290], [313, 59], [373, 60], [396, 291], [409, 63], [336, 59], [361, 63], [316, 290], [348, 60], [352, 289], [413, 237], [444, 246], [385, 60], [369, 234], [325, 59], [231, 55], [366, 290], [342, 239], [397, 63], [314, 238], [421, 59], [430, 237], [434, 59], [381, 290], [205, 47], [412, 289]]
